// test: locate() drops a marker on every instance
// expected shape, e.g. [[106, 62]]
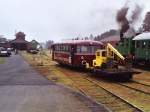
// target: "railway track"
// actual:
[[143, 88], [91, 88], [145, 82], [117, 97], [136, 97], [141, 83]]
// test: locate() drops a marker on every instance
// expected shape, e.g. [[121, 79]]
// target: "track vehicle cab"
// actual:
[[101, 59], [106, 63]]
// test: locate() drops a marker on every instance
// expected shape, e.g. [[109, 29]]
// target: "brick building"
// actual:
[[19, 42]]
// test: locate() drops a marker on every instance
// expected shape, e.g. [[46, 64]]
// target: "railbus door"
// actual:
[[72, 53]]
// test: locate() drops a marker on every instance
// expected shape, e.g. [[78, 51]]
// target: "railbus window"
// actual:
[[93, 49], [83, 49], [56, 47], [87, 49], [78, 49], [66, 48], [96, 48], [59, 48], [63, 48]]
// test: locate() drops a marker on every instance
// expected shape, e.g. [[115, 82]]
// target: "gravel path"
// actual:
[[22, 89]]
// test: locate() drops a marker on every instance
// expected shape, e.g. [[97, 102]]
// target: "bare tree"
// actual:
[[49, 44], [146, 22]]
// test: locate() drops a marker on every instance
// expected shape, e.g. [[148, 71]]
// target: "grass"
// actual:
[[48, 68], [1, 60]]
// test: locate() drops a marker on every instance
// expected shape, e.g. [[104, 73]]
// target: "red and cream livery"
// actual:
[[75, 52]]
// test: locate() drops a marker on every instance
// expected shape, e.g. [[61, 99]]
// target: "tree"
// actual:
[[49, 44], [91, 37], [146, 22]]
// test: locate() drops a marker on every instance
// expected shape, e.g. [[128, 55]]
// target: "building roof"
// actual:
[[143, 36], [19, 41], [111, 38], [34, 42], [3, 40]]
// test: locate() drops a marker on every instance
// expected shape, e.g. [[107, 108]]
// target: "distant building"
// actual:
[[113, 40], [33, 44], [4, 42], [19, 42]]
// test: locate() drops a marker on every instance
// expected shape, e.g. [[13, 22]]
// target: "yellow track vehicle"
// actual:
[[108, 63]]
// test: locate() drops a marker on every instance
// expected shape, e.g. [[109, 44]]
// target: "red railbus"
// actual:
[[75, 52]]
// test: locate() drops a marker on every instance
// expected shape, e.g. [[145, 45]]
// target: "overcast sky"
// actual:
[[61, 19]]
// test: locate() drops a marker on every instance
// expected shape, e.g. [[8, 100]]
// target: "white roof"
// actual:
[[143, 36], [81, 41]]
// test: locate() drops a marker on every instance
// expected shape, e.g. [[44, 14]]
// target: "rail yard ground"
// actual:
[[22, 89], [129, 96]]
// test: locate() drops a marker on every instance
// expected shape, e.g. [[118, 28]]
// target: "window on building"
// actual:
[[127, 43], [143, 44], [133, 43], [137, 44], [148, 44]]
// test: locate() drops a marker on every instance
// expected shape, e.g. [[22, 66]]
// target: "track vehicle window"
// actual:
[[98, 53], [104, 54]]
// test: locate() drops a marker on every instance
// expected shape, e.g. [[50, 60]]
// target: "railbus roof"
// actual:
[[80, 42], [143, 36]]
